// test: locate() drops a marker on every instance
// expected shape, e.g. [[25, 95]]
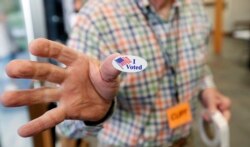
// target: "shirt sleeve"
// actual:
[[76, 129], [84, 38], [207, 80], [203, 33]]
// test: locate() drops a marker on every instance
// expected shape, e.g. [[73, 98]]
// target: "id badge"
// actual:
[[179, 115]]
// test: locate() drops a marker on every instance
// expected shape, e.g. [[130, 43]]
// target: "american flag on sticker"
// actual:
[[122, 61]]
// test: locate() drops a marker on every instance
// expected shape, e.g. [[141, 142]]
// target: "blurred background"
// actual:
[[13, 45], [23, 20]]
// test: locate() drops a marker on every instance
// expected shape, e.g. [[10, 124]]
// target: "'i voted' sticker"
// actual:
[[129, 63]]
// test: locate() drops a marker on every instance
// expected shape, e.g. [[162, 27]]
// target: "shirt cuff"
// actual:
[[207, 82], [79, 129]]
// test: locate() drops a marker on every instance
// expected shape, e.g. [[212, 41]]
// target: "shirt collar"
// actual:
[[178, 3], [143, 3]]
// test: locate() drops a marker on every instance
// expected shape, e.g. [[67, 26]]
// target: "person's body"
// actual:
[[170, 35], [70, 11]]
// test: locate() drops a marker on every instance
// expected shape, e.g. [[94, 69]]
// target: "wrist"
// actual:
[[205, 94], [207, 82], [104, 118]]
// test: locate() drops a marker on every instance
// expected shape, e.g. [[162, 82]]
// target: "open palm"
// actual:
[[85, 92]]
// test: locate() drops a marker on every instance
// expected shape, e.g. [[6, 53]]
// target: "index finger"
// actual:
[[50, 49]]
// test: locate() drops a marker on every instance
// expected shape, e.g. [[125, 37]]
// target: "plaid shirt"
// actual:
[[175, 50]]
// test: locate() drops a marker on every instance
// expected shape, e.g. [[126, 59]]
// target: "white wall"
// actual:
[[236, 10], [241, 9]]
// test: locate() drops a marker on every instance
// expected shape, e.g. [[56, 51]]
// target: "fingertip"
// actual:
[[36, 44], [18, 68], [111, 57], [108, 72], [227, 115], [11, 67], [22, 132], [114, 55], [225, 104], [5, 99]]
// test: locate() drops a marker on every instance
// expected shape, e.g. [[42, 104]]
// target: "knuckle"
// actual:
[[37, 44], [25, 69]]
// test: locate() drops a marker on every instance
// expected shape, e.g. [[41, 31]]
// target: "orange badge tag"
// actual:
[[179, 115]]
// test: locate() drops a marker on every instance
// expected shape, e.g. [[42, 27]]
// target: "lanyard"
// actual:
[[172, 64], [177, 41]]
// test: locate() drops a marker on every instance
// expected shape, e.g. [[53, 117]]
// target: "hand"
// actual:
[[85, 92], [213, 100]]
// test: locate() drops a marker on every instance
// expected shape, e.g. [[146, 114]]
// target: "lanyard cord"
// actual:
[[172, 67]]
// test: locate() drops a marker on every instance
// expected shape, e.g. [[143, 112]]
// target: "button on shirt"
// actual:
[[174, 48]]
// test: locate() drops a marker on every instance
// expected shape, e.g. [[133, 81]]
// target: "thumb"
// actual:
[[108, 72], [211, 108], [105, 78]]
